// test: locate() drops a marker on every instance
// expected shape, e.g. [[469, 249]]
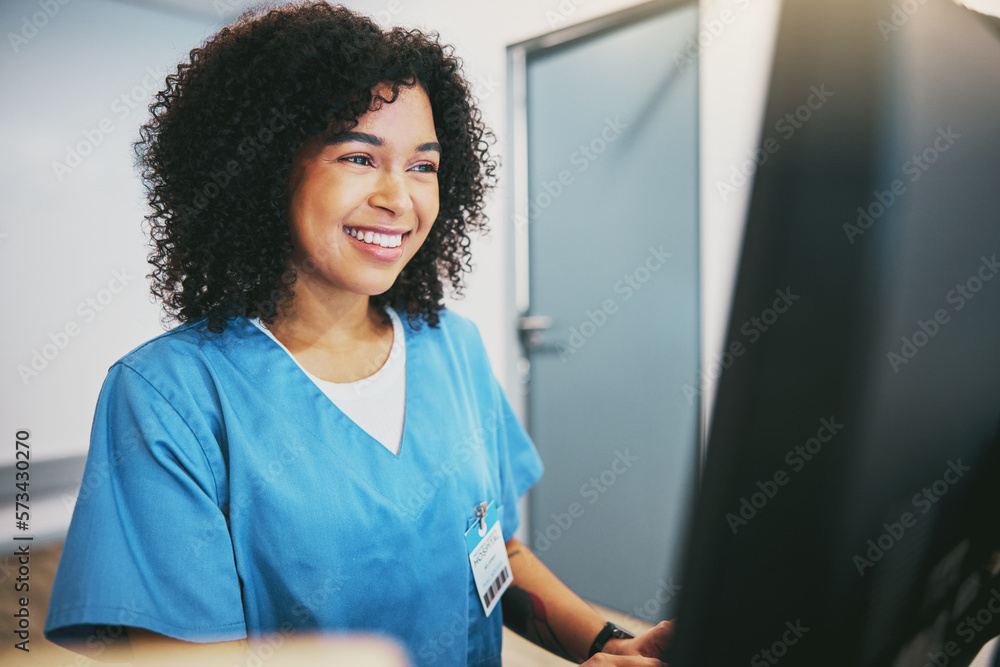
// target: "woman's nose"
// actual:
[[391, 193]]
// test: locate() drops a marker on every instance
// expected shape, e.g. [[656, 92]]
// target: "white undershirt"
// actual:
[[376, 403]]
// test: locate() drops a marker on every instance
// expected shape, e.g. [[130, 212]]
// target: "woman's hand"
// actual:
[[645, 650], [543, 610]]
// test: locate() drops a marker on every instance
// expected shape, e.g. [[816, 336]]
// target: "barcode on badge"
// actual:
[[495, 586]]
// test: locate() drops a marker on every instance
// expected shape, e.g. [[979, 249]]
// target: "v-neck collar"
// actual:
[[361, 432], [276, 375], [383, 377]]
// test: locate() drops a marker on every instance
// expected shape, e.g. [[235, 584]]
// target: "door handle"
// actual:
[[531, 330]]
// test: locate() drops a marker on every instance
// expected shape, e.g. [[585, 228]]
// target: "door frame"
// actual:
[[518, 301]]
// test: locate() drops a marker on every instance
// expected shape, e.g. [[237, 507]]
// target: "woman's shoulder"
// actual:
[[458, 339], [458, 324], [186, 348], [456, 331]]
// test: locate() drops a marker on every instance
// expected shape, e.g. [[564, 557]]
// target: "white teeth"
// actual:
[[383, 240]]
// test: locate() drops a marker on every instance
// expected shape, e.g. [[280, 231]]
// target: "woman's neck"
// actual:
[[341, 339]]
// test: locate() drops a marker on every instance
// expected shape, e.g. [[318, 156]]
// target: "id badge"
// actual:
[[488, 555]]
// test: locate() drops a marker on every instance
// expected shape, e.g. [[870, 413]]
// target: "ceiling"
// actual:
[[216, 10]]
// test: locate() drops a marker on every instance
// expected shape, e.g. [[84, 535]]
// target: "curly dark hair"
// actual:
[[217, 153]]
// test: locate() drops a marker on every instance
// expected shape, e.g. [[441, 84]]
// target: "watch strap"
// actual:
[[609, 631]]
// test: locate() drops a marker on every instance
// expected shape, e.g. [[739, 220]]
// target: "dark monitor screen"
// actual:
[[848, 513]]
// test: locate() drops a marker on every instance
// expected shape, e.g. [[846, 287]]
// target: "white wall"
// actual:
[[76, 82], [75, 237], [737, 46]]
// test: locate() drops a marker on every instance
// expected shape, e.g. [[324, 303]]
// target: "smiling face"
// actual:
[[363, 202]]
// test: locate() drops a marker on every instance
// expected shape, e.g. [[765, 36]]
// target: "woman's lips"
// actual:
[[381, 243], [380, 236]]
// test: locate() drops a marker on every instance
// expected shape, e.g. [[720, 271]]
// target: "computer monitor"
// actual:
[[849, 512]]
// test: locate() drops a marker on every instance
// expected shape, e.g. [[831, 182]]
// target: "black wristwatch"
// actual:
[[610, 631]]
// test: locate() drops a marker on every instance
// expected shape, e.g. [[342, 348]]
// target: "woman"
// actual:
[[317, 444]]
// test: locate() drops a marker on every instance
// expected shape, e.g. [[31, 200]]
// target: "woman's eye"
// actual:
[[363, 160], [427, 167]]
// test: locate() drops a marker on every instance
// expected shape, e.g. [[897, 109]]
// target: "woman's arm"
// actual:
[[146, 645], [150, 649], [543, 610], [139, 646]]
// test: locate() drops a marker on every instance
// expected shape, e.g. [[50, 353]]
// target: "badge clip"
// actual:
[[481, 511]]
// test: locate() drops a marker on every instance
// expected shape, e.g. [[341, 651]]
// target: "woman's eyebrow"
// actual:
[[371, 139], [360, 137]]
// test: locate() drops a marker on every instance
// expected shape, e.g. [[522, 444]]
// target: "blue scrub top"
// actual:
[[225, 496]]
